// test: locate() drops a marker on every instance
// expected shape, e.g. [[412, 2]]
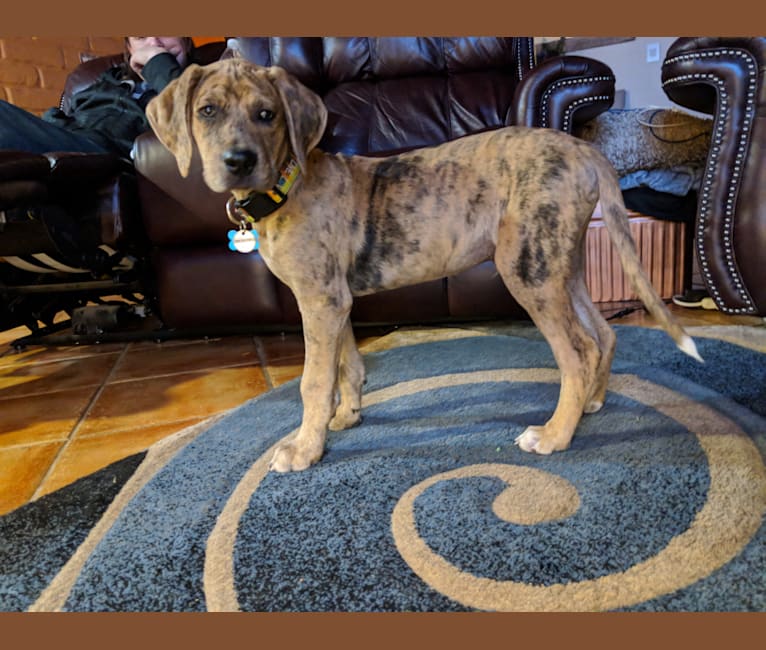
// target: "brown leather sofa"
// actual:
[[383, 95], [724, 77]]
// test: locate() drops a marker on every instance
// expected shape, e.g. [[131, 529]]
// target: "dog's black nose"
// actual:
[[240, 161]]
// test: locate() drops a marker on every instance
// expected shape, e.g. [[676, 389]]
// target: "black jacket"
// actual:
[[107, 111]]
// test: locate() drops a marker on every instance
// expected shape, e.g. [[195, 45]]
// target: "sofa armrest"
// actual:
[[563, 92], [85, 169], [176, 211], [723, 77]]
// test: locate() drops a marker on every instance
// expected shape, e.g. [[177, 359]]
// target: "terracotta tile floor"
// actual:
[[66, 412]]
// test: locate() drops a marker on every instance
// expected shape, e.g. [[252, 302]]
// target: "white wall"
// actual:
[[640, 80]]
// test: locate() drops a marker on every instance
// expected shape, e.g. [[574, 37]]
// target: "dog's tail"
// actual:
[[614, 215]]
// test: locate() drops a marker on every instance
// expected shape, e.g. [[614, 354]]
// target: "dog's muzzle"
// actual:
[[240, 162]]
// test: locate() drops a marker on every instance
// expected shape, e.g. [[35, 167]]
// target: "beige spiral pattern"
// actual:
[[731, 516]]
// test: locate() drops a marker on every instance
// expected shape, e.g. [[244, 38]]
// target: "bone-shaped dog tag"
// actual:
[[243, 240]]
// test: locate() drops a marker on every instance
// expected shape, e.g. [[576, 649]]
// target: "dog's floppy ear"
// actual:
[[305, 113], [169, 115]]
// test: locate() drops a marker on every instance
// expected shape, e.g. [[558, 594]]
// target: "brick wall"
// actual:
[[33, 69]]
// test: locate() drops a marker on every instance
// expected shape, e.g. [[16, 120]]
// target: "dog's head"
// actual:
[[245, 119]]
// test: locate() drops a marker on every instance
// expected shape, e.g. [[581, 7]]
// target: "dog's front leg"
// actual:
[[350, 381], [323, 326]]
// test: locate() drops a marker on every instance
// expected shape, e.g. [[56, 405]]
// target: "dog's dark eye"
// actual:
[[265, 115], [207, 111]]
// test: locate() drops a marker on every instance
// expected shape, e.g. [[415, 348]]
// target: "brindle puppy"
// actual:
[[355, 225]]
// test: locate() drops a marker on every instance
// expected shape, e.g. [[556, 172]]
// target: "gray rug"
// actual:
[[427, 505]]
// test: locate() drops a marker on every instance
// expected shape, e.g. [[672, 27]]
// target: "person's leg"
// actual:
[[24, 131]]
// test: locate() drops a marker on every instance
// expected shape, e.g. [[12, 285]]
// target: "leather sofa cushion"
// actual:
[[375, 59], [366, 117], [301, 56]]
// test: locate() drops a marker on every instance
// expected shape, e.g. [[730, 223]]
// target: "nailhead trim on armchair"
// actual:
[[715, 235]]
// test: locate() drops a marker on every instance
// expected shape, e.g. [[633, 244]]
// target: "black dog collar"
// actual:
[[258, 205]]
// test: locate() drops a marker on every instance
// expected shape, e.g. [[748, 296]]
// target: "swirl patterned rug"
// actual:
[[427, 505]]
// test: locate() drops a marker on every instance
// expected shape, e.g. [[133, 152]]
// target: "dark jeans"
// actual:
[[24, 131]]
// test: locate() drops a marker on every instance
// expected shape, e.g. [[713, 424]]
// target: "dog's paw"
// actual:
[[345, 419], [594, 406], [535, 440], [291, 458]]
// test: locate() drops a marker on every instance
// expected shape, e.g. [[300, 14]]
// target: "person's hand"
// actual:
[[142, 54]]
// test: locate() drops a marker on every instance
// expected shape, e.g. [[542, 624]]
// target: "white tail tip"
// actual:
[[687, 345]]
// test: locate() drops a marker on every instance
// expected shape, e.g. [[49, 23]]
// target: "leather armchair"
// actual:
[[724, 77], [70, 226], [383, 95], [69, 233]]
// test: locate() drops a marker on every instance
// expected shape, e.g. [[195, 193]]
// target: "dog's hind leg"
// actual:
[[578, 356], [604, 335], [577, 352], [350, 381]]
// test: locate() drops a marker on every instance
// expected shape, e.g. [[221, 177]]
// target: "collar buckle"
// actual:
[[258, 205]]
